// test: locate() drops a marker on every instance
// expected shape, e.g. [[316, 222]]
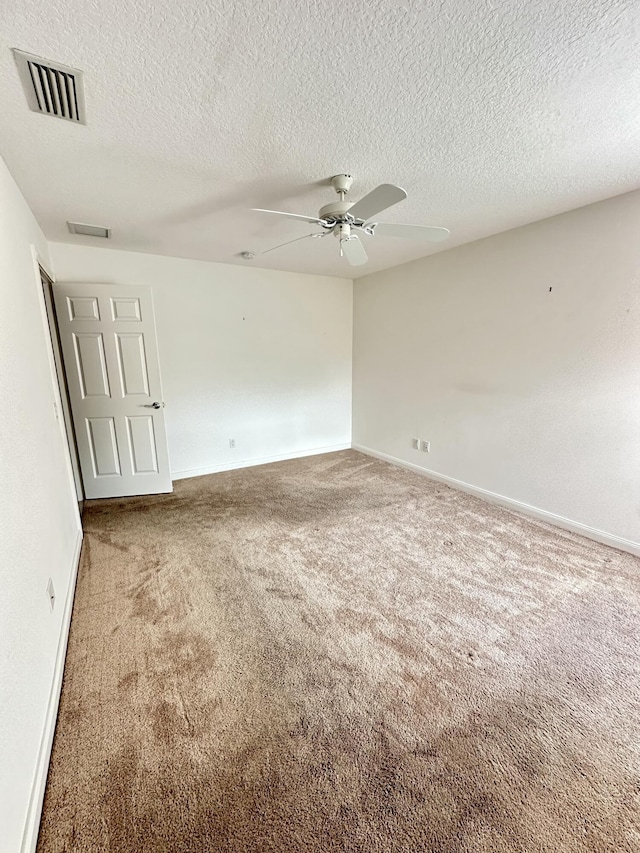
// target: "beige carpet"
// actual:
[[332, 654]]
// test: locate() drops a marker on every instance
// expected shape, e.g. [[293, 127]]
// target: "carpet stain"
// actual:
[[128, 681], [332, 654]]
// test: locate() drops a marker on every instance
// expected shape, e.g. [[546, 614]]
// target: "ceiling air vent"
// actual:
[[89, 230], [52, 89]]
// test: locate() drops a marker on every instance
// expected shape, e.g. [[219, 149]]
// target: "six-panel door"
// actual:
[[109, 346]]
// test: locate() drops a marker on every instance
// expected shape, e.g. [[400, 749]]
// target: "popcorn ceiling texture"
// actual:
[[490, 114]]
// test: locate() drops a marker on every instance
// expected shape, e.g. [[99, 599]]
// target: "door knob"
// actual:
[[154, 405]]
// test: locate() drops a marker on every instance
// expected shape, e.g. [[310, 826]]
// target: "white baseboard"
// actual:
[[249, 463], [34, 811], [510, 503]]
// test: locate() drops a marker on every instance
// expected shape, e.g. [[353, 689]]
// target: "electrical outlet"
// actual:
[[426, 446], [51, 594], [416, 443], [232, 442]]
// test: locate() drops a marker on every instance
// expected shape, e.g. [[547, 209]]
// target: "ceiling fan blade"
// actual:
[[305, 237], [379, 199], [354, 251], [412, 232], [311, 220]]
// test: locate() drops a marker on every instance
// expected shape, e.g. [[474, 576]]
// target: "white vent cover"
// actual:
[[89, 230], [51, 88]]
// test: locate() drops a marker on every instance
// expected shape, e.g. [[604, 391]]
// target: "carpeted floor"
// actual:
[[332, 654]]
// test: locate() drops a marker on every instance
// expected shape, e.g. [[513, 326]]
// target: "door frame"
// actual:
[[57, 365]]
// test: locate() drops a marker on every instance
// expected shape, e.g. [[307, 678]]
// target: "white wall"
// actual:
[[39, 523], [257, 355], [529, 393]]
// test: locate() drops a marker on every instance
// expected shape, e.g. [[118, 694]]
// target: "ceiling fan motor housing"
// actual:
[[335, 211]]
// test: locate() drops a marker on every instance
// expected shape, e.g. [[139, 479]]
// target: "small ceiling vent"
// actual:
[[51, 88], [89, 230]]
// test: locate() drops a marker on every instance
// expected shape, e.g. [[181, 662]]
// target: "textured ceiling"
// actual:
[[490, 114]]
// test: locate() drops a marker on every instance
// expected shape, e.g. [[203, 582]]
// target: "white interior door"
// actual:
[[110, 352]]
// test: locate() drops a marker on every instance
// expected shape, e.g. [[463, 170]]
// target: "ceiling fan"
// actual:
[[347, 221]]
